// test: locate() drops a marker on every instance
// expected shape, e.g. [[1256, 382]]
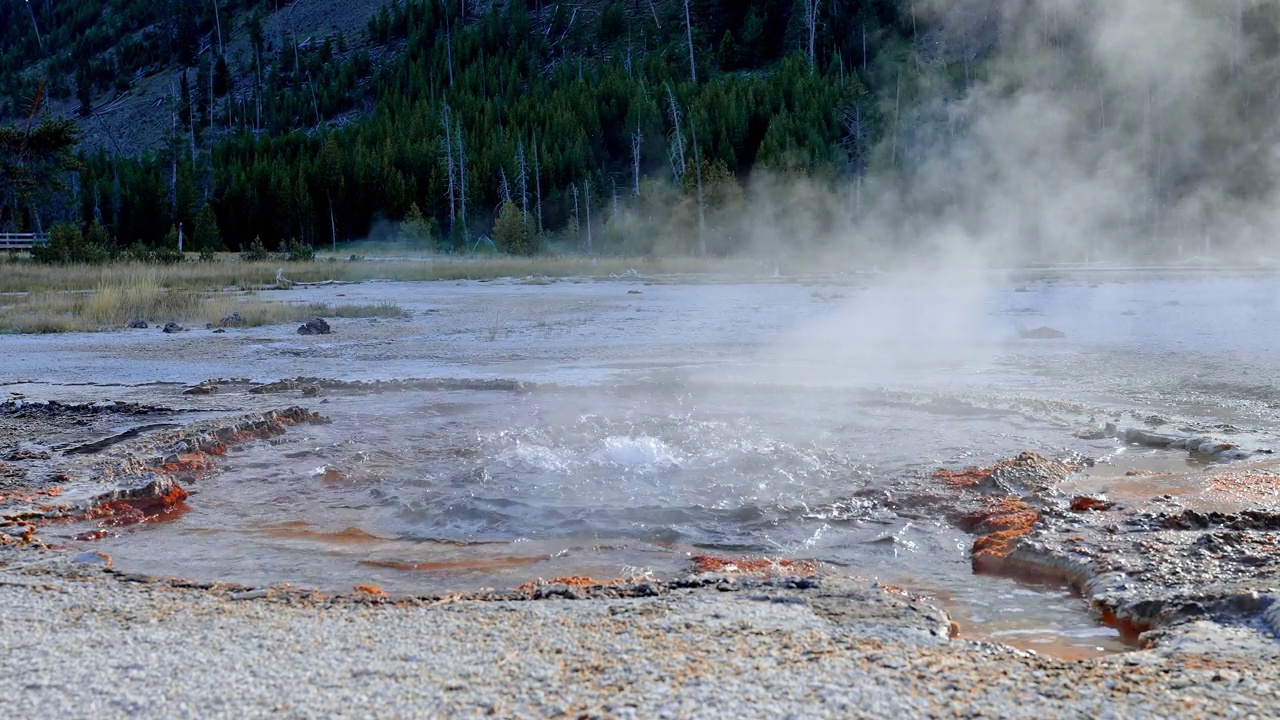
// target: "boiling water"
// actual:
[[731, 421]]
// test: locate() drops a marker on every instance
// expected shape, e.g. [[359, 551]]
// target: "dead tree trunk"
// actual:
[[675, 151], [811, 26], [702, 205], [39, 40], [587, 196], [449, 165], [636, 141], [523, 178], [688, 29], [462, 186], [537, 183], [217, 18]]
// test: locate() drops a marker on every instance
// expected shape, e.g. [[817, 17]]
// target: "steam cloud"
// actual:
[[1139, 129]]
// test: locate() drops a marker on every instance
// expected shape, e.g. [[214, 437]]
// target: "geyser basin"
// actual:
[[732, 420]]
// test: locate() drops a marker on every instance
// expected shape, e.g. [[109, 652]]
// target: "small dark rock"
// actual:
[[201, 390], [219, 330], [172, 327], [311, 391], [634, 292], [137, 324], [315, 326]]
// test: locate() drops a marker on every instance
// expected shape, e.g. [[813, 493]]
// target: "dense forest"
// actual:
[[646, 126], [567, 111]]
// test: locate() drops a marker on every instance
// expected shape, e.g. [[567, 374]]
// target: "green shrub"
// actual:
[[205, 236], [256, 252], [167, 256], [140, 253], [68, 245], [298, 251], [513, 232]]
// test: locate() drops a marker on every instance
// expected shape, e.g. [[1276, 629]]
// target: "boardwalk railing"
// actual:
[[22, 241]]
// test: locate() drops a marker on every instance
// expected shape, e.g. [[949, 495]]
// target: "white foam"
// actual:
[[640, 453]]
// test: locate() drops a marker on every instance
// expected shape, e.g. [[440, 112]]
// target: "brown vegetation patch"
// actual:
[[752, 566], [371, 590]]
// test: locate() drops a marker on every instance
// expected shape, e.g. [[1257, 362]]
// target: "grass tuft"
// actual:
[[233, 273], [139, 294]]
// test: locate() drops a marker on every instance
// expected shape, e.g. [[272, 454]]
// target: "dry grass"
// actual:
[[230, 272], [139, 292]]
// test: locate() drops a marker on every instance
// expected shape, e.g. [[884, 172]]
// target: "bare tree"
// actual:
[[586, 184], [636, 141], [811, 26], [855, 145], [522, 177], [897, 106], [448, 42], [218, 19], [449, 164], [537, 182], [191, 113], [573, 190], [675, 150], [504, 189], [702, 205], [462, 185], [39, 40], [688, 29]]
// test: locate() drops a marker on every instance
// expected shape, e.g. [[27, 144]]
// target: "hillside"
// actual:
[[116, 67], [662, 126]]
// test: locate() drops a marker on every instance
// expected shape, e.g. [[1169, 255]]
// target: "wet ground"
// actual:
[[661, 420]]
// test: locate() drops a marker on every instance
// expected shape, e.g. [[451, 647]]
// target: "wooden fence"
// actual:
[[22, 241]]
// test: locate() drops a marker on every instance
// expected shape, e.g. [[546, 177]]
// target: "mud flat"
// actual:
[[128, 436]]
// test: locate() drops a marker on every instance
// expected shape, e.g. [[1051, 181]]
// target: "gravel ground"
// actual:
[[82, 642]]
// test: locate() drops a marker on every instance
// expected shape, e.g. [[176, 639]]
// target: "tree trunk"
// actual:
[[218, 19], [537, 183], [636, 141], [587, 186], [449, 166], [702, 205], [39, 40], [688, 28], [462, 186]]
